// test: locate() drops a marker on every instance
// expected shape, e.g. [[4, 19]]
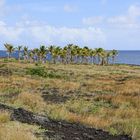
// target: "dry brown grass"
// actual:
[[16, 131], [31, 101], [131, 87], [4, 117], [62, 84], [108, 97], [61, 113]]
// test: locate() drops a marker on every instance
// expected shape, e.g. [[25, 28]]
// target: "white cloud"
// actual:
[[9, 32], [2, 23], [119, 19], [122, 21], [38, 33], [70, 8], [92, 20], [134, 11], [2, 2], [128, 20], [52, 34], [2, 7]]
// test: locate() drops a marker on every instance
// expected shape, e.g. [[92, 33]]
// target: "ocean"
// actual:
[[128, 57], [123, 57]]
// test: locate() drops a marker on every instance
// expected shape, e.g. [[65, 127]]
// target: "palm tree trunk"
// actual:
[[113, 59], [98, 60], [8, 55], [82, 59], [107, 60], [54, 60], [18, 55], [94, 59]]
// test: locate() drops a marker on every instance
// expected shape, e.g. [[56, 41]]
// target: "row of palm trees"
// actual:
[[68, 54]]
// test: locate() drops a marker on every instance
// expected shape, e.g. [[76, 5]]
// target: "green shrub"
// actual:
[[39, 71], [6, 60], [42, 72]]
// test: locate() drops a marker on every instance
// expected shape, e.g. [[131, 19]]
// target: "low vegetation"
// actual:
[[42, 72], [14, 131], [105, 97]]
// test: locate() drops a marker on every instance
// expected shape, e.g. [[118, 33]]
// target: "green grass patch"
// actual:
[[43, 72]]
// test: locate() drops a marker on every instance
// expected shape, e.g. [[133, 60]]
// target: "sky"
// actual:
[[110, 24]]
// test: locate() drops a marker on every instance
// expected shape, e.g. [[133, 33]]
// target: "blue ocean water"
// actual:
[[128, 57], [123, 57]]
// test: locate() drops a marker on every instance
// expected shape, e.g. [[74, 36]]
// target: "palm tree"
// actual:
[[108, 55], [103, 56], [55, 53], [83, 54], [78, 54], [19, 52], [43, 52], [99, 53], [25, 53], [62, 54], [35, 54], [73, 53], [86, 54], [92, 54], [69, 53], [51, 50], [10, 49], [31, 55], [114, 54]]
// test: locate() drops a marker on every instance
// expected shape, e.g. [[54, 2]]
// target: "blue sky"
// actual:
[[111, 24]]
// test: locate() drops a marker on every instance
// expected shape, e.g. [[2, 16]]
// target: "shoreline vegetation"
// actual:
[[103, 96], [70, 54]]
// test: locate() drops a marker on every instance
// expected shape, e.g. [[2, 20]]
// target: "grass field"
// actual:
[[105, 97]]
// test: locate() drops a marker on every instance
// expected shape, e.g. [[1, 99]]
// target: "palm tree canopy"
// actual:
[[19, 48], [114, 52], [9, 48], [70, 53]]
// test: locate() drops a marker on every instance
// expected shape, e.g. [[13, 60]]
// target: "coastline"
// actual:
[[123, 64]]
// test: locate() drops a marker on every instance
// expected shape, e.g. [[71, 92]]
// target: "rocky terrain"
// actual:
[[59, 130]]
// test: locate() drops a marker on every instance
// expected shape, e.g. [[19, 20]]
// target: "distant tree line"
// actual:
[[66, 55]]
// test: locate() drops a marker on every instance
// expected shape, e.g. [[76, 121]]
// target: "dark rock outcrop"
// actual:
[[60, 130]]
